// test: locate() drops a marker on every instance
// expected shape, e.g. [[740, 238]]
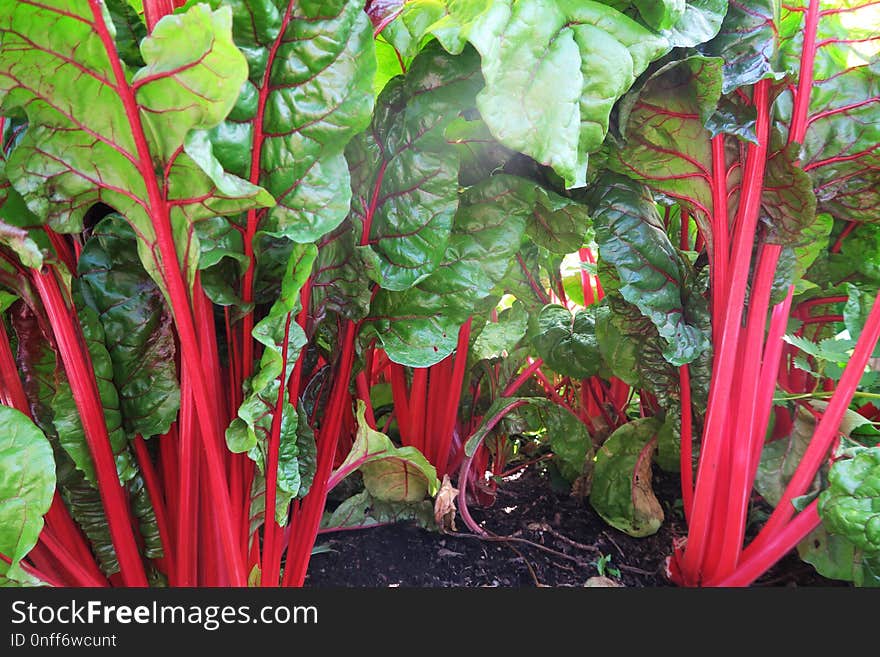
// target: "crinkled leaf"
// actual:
[[130, 31], [622, 492], [363, 510], [86, 508], [391, 474], [631, 237], [405, 173], [553, 71], [788, 205], [42, 374], [67, 419], [850, 506], [857, 261], [419, 326], [137, 328], [27, 483], [558, 224], [855, 312], [142, 509], [567, 435], [746, 42], [308, 92], [221, 261], [841, 149], [101, 132], [567, 341], [338, 278], [667, 146], [569, 439], [481, 155], [733, 118], [497, 339], [282, 339], [660, 14], [618, 348], [837, 558], [669, 443]]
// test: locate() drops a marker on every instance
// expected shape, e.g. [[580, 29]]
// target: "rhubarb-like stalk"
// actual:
[[178, 298], [719, 246], [714, 434], [154, 490], [686, 454], [11, 391], [78, 366], [453, 396], [35, 572], [306, 516], [757, 563], [745, 431], [188, 472], [525, 375], [154, 10], [826, 431]]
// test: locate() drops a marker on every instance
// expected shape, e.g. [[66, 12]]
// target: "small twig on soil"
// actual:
[[528, 565], [544, 527], [507, 539], [633, 569], [611, 540]]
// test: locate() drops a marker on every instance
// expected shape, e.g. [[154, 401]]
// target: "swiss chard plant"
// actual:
[[253, 249]]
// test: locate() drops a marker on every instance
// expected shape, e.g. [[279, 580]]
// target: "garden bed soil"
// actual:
[[560, 542]]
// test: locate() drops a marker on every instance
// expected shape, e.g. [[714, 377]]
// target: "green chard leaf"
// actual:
[[835, 557], [137, 328], [419, 326], [622, 492], [27, 484], [309, 90], [68, 423], [405, 173], [497, 339], [42, 376], [780, 458], [841, 149], [667, 146], [567, 341], [282, 339], [746, 43], [850, 506], [567, 435], [558, 224], [364, 510], [631, 237], [686, 24], [553, 69], [390, 473], [100, 131]]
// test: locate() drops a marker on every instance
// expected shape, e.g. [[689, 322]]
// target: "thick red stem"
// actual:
[[687, 442], [725, 363], [179, 300], [80, 372], [453, 397]]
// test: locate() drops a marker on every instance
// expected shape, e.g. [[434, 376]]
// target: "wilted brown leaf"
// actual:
[[444, 505]]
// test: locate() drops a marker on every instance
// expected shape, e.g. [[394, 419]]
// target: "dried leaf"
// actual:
[[444, 505]]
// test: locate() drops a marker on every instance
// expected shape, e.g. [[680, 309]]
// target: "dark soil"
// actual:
[[560, 541]]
